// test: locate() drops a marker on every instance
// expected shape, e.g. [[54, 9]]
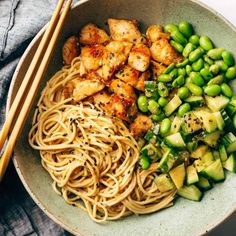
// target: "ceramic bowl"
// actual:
[[185, 217]]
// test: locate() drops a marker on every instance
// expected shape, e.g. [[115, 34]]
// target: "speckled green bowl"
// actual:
[[186, 217]]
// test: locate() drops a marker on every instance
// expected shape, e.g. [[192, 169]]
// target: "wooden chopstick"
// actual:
[[20, 121]]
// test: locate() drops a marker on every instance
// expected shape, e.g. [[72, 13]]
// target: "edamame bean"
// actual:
[[231, 72], [212, 90], [205, 43], [217, 80], [170, 28], [206, 74], [215, 53], [162, 101], [194, 89], [145, 162], [164, 78], [214, 69], [196, 54], [143, 103], [234, 121], [162, 89], [159, 117], [183, 109], [182, 64], [188, 49], [228, 58], [182, 71], [206, 65], [153, 107], [186, 28], [183, 92], [165, 126], [178, 82], [194, 39], [208, 60], [178, 37], [188, 69], [169, 68], [198, 65], [188, 80], [174, 73], [226, 90], [222, 65], [177, 46], [196, 78]]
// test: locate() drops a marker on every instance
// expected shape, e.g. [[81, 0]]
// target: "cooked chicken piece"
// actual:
[[102, 99], [141, 80], [125, 91], [124, 30], [157, 69], [92, 56], [128, 75], [116, 54], [70, 50], [162, 51], [139, 57], [91, 34], [67, 90], [155, 32], [140, 126]]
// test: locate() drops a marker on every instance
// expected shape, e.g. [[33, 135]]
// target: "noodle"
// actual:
[[92, 157]]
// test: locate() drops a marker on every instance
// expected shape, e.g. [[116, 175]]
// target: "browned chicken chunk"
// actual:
[[140, 125], [124, 30], [70, 50], [91, 34], [101, 99], [139, 57], [157, 69], [163, 52], [155, 32], [141, 80]]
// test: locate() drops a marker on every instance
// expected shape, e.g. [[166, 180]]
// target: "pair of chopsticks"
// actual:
[[36, 69]]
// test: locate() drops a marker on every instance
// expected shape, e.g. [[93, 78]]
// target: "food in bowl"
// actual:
[[133, 120]]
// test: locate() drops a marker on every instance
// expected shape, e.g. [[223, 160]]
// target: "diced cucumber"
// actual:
[[204, 161], [195, 101], [208, 120], [148, 135], [229, 140], [167, 161], [172, 105], [178, 175], [153, 152], [219, 120], [204, 183], [216, 103], [199, 152], [214, 171], [192, 176], [216, 154], [164, 183], [191, 123], [175, 141], [192, 146], [211, 138], [226, 118], [231, 108], [223, 153], [190, 192], [230, 163], [176, 125], [198, 164]]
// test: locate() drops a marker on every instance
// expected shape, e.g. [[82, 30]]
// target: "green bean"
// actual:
[[165, 126], [226, 90], [169, 68], [178, 37], [178, 82], [206, 74], [162, 89], [222, 65], [214, 69], [177, 46], [215, 53], [153, 107], [182, 71], [186, 28], [231, 72], [194, 89], [183, 109], [188, 69], [205, 43], [182, 64], [164, 78], [196, 78], [228, 58], [183, 92], [196, 54], [174, 73], [143, 103], [159, 117], [162, 101], [212, 90], [188, 49], [194, 39], [198, 65], [216, 80], [170, 28], [208, 60], [145, 162]]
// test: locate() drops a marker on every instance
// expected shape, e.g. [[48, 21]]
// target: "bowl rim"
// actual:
[[18, 170]]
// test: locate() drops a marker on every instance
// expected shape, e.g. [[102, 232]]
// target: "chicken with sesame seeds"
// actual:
[[155, 32]]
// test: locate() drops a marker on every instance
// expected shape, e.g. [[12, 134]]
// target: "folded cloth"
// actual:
[[20, 20]]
